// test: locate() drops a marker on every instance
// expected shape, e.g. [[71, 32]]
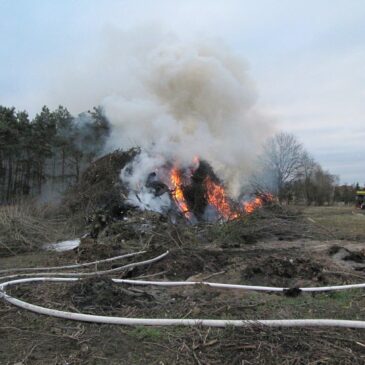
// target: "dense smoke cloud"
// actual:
[[178, 100]]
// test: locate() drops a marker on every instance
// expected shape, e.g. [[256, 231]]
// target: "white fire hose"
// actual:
[[176, 321], [236, 286], [94, 273], [93, 263]]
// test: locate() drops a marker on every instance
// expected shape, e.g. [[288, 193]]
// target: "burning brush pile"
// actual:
[[132, 200], [192, 111], [129, 196], [129, 199], [131, 179], [191, 191]]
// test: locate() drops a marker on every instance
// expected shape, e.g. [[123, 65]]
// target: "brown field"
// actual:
[[314, 246]]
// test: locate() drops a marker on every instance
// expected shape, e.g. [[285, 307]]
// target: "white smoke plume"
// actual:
[[176, 99], [190, 99], [135, 174]]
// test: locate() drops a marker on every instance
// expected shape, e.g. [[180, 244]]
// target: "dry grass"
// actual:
[[32, 339], [26, 227], [45, 340], [344, 223]]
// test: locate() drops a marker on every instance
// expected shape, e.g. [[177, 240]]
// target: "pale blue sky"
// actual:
[[307, 58]]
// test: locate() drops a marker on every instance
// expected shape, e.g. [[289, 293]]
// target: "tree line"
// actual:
[[47, 152], [292, 174]]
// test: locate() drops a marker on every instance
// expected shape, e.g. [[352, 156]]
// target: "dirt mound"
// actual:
[[347, 255], [348, 258], [183, 264], [283, 271]]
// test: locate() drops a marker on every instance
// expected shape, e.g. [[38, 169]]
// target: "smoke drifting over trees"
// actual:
[[177, 99], [46, 154]]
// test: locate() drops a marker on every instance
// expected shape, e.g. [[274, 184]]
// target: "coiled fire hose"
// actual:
[[164, 321]]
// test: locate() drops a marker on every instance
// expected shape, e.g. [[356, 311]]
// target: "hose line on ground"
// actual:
[[173, 321], [74, 266], [236, 286], [92, 273]]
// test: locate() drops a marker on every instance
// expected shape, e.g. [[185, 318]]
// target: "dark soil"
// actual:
[[283, 271], [358, 257], [273, 247], [103, 294], [55, 341], [182, 264], [354, 259]]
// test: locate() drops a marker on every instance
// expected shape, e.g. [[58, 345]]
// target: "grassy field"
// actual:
[[347, 223], [288, 250]]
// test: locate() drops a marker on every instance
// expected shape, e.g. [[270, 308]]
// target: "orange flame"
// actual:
[[177, 192], [250, 206], [217, 197]]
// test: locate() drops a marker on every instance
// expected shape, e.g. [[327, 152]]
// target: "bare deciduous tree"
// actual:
[[282, 160], [288, 171]]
